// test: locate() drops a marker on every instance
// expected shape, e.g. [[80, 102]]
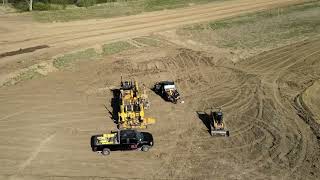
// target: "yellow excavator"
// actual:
[[133, 102]]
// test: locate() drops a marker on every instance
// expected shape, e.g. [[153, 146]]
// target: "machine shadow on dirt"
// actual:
[[115, 105], [205, 118]]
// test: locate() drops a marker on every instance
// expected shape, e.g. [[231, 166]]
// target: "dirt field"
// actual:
[[46, 123], [312, 100]]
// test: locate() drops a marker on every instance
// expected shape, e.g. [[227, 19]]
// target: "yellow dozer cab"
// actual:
[[217, 125], [133, 103]]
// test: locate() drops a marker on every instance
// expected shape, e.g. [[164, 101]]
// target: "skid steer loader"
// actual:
[[217, 126]]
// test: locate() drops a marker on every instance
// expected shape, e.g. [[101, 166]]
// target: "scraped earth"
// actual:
[[46, 124]]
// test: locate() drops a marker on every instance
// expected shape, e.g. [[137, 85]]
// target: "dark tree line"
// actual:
[[29, 5]]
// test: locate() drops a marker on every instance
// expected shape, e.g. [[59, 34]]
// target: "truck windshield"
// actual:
[[139, 136]]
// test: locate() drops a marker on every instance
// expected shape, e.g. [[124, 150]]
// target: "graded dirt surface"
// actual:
[[65, 37], [312, 99], [46, 123]]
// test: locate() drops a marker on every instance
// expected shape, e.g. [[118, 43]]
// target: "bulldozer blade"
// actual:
[[220, 133]]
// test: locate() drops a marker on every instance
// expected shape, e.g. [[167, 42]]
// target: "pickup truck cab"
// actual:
[[122, 140]]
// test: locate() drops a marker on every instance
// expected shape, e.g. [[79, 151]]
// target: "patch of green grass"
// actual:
[[107, 10], [154, 5], [112, 9], [27, 75], [260, 30], [148, 41], [116, 47], [68, 59], [30, 74]]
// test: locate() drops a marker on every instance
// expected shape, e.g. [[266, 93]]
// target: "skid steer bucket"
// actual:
[[219, 132]]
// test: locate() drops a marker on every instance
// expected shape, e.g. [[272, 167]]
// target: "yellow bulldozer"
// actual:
[[133, 101]]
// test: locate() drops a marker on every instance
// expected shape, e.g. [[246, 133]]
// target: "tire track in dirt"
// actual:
[[304, 142], [35, 153], [32, 156], [267, 138], [272, 72], [189, 66], [274, 152], [290, 58]]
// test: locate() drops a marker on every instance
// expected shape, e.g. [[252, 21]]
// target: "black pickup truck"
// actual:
[[122, 140]]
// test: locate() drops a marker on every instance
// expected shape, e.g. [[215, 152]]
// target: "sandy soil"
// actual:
[[46, 123]]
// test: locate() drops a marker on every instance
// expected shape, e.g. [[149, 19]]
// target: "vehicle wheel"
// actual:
[[145, 148], [227, 133], [105, 152], [94, 149]]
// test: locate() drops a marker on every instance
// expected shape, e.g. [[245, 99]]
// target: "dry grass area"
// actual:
[[114, 9], [257, 32]]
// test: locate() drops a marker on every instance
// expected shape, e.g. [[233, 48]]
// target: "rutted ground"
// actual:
[[268, 139], [311, 99]]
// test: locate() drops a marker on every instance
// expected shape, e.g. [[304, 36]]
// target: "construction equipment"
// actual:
[[217, 126], [168, 91], [121, 140], [133, 102]]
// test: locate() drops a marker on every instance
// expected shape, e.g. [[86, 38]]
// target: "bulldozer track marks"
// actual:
[[252, 95], [263, 126]]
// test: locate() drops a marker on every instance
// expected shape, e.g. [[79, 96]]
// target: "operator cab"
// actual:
[[127, 85], [219, 117]]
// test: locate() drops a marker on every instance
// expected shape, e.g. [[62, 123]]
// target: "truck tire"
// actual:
[[94, 149], [145, 148], [105, 152]]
